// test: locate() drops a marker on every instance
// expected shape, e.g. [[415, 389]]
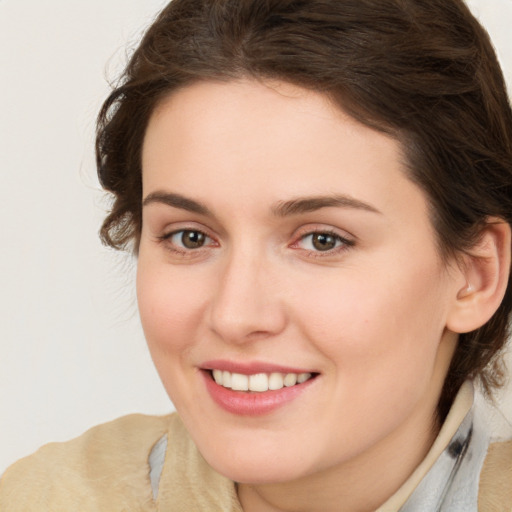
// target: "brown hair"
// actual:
[[422, 70]]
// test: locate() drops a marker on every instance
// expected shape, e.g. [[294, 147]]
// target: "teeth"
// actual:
[[275, 381], [239, 382], [258, 382], [217, 376], [226, 379], [303, 377], [290, 379]]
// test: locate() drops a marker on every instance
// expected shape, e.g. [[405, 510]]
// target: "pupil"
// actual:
[[192, 239], [323, 241]]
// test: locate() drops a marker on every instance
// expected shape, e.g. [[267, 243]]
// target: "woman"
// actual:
[[319, 195]]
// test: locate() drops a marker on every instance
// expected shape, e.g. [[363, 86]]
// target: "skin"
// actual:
[[370, 316]]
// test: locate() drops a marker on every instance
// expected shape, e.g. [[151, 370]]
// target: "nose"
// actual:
[[247, 304]]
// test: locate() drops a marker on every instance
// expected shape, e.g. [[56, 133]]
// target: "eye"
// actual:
[[323, 241], [188, 239]]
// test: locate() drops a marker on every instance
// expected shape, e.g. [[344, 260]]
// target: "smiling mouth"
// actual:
[[259, 382]]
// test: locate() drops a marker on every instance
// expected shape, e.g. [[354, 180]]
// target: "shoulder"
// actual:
[[495, 491], [105, 466]]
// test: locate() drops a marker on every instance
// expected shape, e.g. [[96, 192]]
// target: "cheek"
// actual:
[[383, 326], [381, 340], [170, 309]]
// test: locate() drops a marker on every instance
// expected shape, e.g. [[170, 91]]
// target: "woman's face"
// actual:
[[282, 240]]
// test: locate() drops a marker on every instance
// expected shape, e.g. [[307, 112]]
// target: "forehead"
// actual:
[[252, 128]]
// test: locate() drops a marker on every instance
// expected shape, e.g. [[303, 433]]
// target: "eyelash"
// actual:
[[342, 243]]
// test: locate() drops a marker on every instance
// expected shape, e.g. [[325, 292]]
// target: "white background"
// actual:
[[72, 352]]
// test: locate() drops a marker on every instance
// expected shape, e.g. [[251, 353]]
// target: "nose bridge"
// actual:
[[246, 302]]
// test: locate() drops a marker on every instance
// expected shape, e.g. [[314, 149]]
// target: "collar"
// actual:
[[448, 477]]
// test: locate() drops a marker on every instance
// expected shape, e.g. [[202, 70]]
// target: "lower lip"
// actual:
[[247, 403]]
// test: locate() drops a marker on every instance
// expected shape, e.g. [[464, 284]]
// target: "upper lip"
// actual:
[[251, 368]]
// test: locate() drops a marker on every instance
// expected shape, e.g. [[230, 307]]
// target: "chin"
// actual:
[[258, 465], [256, 473]]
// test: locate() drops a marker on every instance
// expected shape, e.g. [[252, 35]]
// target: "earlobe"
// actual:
[[486, 271]]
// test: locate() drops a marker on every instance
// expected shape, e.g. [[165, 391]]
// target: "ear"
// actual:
[[485, 270]]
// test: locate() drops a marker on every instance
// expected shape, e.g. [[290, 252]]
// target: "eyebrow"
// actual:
[[177, 201], [310, 204], [281, 209]]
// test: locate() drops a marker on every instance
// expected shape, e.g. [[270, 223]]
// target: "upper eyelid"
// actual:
[[163, 219], [312, 229], [174, 231], [176, 227]]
